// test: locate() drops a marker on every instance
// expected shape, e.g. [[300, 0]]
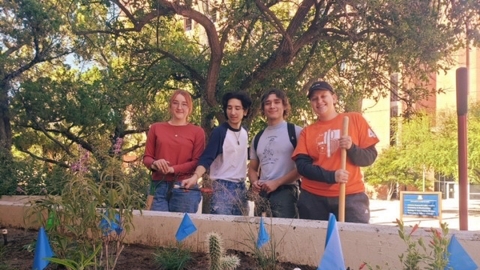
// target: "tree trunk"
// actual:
[[5, 127]]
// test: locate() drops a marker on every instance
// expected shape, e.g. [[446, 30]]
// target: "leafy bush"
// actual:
[[431, 256], [88, 221]]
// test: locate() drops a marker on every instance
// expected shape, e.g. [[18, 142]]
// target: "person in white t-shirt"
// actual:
[[226, 156]]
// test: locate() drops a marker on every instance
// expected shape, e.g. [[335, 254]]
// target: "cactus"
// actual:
[[229, 262], [215, 250], [217, 259]]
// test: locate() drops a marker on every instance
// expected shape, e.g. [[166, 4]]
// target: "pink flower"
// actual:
[[414, 229], [117, 148], [81, 164]]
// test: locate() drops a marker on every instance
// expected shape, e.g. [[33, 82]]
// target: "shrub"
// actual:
[[87, 223], [431, 256], [173, 258]]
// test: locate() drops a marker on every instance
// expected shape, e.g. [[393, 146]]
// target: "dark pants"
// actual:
[[281, 203], [311, 206]]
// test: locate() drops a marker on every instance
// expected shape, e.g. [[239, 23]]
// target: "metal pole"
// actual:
[[462, 108], [423, 178]]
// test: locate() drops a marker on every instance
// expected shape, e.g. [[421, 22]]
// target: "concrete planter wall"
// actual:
[[298, 241]]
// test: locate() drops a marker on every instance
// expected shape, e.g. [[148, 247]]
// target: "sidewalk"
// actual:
[[386, 213]]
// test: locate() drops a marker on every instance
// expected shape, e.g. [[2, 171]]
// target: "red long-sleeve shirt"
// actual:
[[180, 145]]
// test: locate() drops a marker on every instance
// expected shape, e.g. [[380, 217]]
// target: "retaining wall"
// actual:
[[297, 241]]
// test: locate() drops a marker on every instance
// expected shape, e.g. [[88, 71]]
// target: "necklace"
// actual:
[[174, 126], [238, 137]]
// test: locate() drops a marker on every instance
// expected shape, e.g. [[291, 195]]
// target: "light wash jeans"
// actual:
[[229, 198], [170, 199]]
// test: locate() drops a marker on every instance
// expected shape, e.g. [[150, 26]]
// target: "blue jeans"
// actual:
[[171, 199], [229, 198]]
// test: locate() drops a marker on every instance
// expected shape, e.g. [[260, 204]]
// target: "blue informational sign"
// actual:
[[421, 204]]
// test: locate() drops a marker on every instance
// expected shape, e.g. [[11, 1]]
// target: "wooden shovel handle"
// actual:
[[341, 199]]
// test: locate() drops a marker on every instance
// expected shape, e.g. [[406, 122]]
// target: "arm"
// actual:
[[289, 178], [198, 147], [362, 156], [193, 180], [306, 168], [206, 159], [361, 153], [213, 149], [253, 174]]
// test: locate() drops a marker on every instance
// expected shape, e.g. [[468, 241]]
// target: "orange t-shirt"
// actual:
[[320, 142]]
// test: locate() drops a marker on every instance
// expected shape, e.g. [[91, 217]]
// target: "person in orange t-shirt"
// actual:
[[318, 160]]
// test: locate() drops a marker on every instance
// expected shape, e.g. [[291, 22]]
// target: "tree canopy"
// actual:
[[124, 58], [428, 145]]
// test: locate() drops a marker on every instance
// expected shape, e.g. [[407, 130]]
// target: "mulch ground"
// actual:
[[18, 255]]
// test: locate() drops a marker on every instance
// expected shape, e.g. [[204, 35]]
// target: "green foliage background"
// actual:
[[80, 74]]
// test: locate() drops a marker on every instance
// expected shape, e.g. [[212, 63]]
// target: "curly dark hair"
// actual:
[[242, 96]]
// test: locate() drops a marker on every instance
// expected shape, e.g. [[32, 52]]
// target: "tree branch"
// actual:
[[175, 59], [61, 164]]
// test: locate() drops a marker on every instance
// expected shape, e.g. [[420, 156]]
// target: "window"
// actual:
[[188, 24]]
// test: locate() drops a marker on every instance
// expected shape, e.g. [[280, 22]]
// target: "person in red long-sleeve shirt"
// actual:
[[172, 151]]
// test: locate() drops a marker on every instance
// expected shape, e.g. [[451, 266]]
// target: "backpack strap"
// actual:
[[292, 134], [256, 139]]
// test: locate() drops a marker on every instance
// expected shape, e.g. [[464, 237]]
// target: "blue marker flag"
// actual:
[[332, 256], [263, 236], [458, 258], [185, 229], [43, 251], [107, 225]]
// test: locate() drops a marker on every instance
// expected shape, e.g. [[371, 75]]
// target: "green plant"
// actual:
[[81, 264], [173, 258], [431, 256], [219, 261], [87, 223], [266, 256], [3, 254], [417, 253]]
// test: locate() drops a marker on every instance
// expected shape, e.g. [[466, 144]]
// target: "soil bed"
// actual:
[[134, 257]]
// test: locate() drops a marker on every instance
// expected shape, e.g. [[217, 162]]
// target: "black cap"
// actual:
[[320, 85]]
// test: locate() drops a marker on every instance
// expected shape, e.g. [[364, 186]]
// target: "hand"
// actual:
[[162, 165], [169, 170], [189, 182], [256, 186], [341, 176], [270, 186], [345, 142]]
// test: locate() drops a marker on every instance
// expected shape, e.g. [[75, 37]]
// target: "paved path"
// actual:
[[386, 213]]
